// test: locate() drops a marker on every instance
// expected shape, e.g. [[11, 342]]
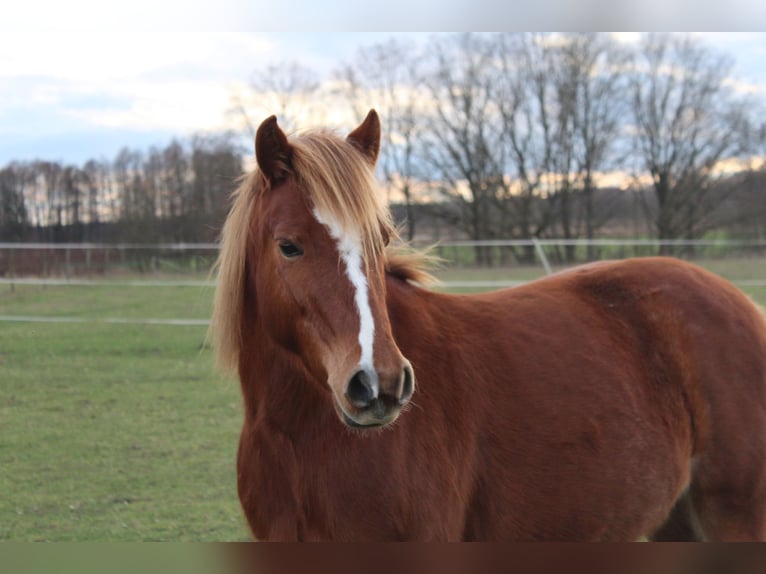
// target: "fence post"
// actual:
[[541, 255], [46, 272], [12, 269]]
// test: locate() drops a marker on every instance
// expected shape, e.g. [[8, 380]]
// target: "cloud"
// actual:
[[182, 106], [178, 82], [105, 56], [345, 15], [76, 16]]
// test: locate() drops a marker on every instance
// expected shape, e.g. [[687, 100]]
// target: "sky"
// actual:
[[69, 94], [75, 96]]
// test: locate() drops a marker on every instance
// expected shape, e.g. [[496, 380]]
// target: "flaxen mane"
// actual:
[[341, 186]]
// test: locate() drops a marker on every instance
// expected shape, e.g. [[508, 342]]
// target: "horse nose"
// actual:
[[360, 391], [363, 393]]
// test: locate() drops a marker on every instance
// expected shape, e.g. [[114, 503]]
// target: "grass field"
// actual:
[[114, 432], [126, 432]]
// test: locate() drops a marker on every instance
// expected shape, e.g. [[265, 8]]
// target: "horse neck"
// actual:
[[414, 314], [419, 319]]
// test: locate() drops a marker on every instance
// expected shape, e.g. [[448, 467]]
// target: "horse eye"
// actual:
[[289, 249]]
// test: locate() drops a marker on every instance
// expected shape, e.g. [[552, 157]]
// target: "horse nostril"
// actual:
[[408, 385], [359, 390]]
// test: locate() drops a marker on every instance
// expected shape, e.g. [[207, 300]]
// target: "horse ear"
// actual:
[[366, 138], [272, 151]]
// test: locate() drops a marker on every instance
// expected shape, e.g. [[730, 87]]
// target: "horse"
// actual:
[[610, 402]]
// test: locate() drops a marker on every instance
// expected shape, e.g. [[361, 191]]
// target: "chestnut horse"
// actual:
[[610, 402]]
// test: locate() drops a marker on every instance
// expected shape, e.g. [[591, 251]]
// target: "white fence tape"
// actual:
[[105, 320], [101, 282]]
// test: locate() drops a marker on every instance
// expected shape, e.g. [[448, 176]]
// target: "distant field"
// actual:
[[126, 432]]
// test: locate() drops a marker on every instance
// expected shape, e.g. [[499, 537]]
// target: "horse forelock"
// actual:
[[341, 185], [343, 190]]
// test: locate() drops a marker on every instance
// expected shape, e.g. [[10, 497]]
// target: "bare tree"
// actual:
[[175, 179], [560, 102], [49, 174], [592, 73], [385, 76], [215, 165], [535, 95], [686, 122], [95, 176], [285, 89], [13, 212], [462, 140], [135, 202]]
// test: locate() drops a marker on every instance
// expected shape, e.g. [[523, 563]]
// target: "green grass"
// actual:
[[126, 432], [114, 432], [112, 301]]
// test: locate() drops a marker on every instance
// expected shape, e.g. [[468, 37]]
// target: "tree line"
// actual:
[[503, 135], [177, 193]]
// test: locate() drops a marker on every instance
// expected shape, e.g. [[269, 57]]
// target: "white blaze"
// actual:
[[350, 250]]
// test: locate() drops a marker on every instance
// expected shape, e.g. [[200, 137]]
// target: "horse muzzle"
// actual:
[[376, 399]]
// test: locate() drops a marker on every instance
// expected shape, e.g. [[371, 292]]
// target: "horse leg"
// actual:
[[728, 496], [681, 525], [726, 501]]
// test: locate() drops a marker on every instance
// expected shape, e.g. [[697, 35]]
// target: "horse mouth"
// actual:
[[348, 421], [369, 423]]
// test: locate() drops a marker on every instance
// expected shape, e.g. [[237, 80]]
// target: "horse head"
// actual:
[[317, 265]]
